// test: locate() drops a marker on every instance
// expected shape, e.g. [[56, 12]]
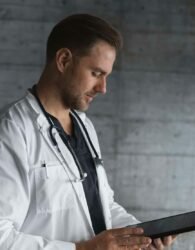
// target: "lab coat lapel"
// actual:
[[103, 196], [67, 162]]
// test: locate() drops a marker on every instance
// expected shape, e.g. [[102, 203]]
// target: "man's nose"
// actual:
[[101, 85]]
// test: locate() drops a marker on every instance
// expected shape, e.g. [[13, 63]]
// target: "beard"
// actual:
[[72, 95], [73, 100], [76, 103]]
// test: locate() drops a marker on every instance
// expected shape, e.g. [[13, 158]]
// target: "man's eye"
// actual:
[[96, 74]]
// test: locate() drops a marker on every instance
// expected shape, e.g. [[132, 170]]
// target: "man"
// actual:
[[54, 190]]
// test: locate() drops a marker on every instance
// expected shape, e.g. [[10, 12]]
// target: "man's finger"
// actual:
[[133, 240], [150, 247], [127, 231], [158, 243], [168, 240]]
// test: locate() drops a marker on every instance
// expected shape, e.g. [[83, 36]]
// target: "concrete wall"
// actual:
[[146, 122]]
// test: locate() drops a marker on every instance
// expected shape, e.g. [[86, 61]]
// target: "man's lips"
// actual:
[[90, 97]]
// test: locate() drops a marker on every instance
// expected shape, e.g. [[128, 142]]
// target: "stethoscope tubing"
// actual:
[[97, 159]]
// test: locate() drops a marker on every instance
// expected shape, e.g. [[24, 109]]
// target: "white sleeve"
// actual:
[[119, 216], [15, 194]]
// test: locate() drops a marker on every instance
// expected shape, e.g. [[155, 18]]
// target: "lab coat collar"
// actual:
[[42, 120], [37, 114]]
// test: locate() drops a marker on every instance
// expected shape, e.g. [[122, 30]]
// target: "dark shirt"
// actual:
[[90, 184]]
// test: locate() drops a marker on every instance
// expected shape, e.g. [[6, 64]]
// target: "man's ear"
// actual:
[[63, 58]]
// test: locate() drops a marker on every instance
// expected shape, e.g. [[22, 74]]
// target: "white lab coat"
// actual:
[[42, 207]]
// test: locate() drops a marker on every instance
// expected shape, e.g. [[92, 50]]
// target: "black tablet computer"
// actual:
[[175, 224]]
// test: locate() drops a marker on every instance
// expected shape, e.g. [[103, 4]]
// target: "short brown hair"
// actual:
[[79, 33]]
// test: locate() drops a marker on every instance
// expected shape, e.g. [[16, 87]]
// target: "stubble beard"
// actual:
[[75, 102]]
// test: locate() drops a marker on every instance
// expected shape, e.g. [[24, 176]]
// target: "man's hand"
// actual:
[[117, 239], [160, 244]]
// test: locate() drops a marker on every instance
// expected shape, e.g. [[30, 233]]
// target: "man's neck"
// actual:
[[52, 105]]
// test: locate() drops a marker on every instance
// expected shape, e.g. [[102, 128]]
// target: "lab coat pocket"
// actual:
[[54, 190]]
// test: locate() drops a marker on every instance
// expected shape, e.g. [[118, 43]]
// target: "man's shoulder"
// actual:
[[9, 108], [15, 110]]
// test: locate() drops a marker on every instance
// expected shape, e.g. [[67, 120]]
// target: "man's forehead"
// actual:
[[102, 47]]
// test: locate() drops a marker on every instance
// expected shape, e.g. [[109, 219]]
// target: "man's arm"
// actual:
[[15, 194]]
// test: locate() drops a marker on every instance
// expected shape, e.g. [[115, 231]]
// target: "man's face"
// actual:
[[85, 78]]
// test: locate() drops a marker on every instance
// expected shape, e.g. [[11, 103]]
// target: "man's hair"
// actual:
[[79, 33]]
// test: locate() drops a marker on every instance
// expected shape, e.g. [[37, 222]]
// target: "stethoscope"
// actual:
[[97, 160]]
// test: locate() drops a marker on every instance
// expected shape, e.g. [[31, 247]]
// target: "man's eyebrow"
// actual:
[[100, 70]]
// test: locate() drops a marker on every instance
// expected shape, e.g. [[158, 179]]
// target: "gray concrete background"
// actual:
[[146, 122]]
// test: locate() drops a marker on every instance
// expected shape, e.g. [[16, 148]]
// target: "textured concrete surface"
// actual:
[[146, 122]]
